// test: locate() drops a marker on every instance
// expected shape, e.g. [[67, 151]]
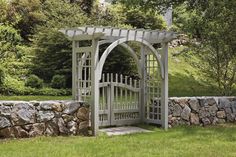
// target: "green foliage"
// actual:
[[60, 14], [30, 16], [120, 62], [34, 82], [9, 39], [147, 20], [52, 55], [58, 81], [212, 28], [2, 76], [12, 86]]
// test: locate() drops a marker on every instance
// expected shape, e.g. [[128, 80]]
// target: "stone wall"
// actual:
[[201, 110], [50, 118]]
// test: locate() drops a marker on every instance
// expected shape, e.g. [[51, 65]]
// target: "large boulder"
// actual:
[[62, 127], [194, 119], [181, 101], [194, 105], [83, 114], [5, 111], [72, 127], [52, 127], [22, 113], [51, 105], [20, 132], [7, 133], [203, 113], [221, 114], [83, 128], [37, 129], [212, 110], [233, 105], [4, 122], [44, 116], [223, 103], [206, 121], [71, 107], [186, 113]]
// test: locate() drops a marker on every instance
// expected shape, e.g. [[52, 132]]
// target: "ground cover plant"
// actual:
[[215, 141]]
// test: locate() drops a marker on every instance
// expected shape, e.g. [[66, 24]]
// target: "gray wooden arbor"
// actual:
[[146, 100]]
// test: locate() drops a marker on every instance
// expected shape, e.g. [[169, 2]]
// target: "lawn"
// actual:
[[38, 97], [217, 141]]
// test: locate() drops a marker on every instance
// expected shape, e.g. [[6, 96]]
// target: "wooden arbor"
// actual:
[[152, 65]]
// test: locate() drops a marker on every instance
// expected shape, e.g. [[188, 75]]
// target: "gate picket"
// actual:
[[123, 100]]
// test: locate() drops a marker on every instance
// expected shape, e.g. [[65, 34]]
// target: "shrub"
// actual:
[[12, 86], [58, 81], [2, 76], [34, 82]]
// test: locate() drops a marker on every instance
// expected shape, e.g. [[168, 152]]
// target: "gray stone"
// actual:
[[62, 127], [215, 120], [233, 105], [194, 119], [203, 113], [206, 121], [67, 117], [35, 103], [83, 128], [211, 101], [220, 121], [5, 111], [8, 103], [19, 132], [44, 116], [7, 133], [27, 127], [170, 107], [37, 129], [212, 110], [228, 110], [52, 128], [186, 113], [83, 114], [181, 101], [4, 122], [71, 107], [23, 113], [194, 105], [46, 105], [221, 114], [177, 110], [51, 105], [72, 126], [230, 117], [223, 103], [203, 102]]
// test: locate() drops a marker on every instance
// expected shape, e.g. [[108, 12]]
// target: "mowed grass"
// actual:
[[217, 141], [187, 80], [37, 97]]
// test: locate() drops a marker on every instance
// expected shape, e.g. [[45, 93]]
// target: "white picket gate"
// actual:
[[119, 100]]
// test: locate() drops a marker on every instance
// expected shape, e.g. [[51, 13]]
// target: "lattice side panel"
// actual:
[[153, 89], [84, 76]]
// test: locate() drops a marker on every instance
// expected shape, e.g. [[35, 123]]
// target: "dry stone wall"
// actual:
[[201, 110], [50, 118]]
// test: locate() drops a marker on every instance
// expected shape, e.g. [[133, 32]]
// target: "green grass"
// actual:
[[187, 80], [30, 97], [217, 141]]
